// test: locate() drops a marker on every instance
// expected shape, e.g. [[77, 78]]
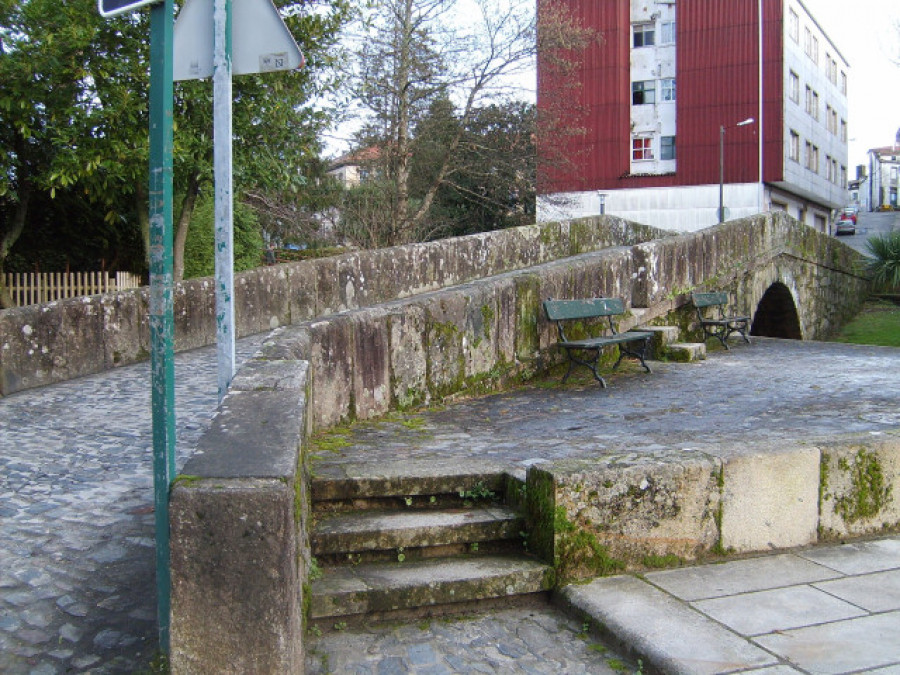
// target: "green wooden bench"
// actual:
[[587, 352], [720, 325]]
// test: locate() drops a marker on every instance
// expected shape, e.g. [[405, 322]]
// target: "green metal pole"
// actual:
[[162, 359]]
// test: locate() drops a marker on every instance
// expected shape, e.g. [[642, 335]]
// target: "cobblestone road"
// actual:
[[77, 586]]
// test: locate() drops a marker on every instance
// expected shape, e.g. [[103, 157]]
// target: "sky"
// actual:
[[867, 34]]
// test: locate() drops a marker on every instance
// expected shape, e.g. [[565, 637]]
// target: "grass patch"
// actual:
[[877, 324]]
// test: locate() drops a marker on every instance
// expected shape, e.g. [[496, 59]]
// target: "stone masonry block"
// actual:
[[445, 342], [126, 329], [770, 498], [371, 364], [642, 507], [331, 352], [860, 485], [236, 581], [409, 368], [194, 310], [302, 290]]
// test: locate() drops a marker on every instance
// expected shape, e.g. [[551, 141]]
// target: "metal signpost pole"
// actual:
[[224, 204], [162, 360]]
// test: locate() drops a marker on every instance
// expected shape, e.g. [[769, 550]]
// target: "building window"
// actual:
[[667, 87], [843, 82], [667, 147], [795, 146], [815, 106], [808, 155], [807, 42], [828, 165], [641, 148], [814, 159], [643, 92], [815, 50], [667, 33], [793, 25], [809, 100], [794, 87], [828, 118], [644, 35]]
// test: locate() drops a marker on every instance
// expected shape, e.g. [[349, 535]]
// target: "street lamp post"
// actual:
[[722, 128]]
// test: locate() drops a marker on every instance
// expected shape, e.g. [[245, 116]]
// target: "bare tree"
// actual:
[[414, 52]]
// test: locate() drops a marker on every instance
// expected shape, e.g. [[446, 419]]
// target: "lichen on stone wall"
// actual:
[[869, 492]]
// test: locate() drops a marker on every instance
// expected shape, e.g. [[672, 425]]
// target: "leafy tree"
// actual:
[[199, 248], [492, 182], [73, 115]]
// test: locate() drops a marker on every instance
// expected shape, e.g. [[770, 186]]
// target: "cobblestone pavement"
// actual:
[[77, 569], [77, 592], [537, 640], [77, 586], [767, 392]]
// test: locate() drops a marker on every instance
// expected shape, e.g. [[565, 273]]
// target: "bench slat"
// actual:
[[710, 299], [563, 310]]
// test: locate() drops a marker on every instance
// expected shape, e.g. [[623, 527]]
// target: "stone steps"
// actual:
[[390, 587], [385, 545]]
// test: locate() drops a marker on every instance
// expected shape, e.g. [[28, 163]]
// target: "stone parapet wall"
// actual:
[[42, 344]]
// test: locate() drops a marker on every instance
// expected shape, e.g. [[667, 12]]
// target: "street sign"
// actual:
[[261, 43], [114, 7]]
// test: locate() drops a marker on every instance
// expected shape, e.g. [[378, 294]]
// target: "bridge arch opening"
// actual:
[[776, 314]]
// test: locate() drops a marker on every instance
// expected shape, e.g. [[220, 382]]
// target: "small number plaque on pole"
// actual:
[[113, 7]]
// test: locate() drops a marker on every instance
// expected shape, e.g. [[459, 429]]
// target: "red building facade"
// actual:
[[721, 79]]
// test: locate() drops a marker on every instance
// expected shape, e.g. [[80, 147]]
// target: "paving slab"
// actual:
[[673, 636], [777, 610], [841, 647], [877, 592], [858, 557], [740, 576]]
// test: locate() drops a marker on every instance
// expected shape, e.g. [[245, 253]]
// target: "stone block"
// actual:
[[636, 507], [330, 357], [126, 327], [371, 364], [685, 352], [194, 313], [409, 367], [302, 283], [770, 498], [271, 375], [236, 579], [275, 300], [446, 317], [254, 434], [31, 345], [860, 485]]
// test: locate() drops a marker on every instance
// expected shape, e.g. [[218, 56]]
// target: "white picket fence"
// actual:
[[29, 288]]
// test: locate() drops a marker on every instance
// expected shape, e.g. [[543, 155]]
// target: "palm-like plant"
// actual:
[[884, 265]]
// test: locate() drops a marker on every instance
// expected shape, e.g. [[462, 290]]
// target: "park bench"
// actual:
[[720, 325], [579, 351]]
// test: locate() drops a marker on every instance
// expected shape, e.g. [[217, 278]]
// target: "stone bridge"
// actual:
[[359, 335]]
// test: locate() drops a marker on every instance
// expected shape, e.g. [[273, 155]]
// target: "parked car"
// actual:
[[849, 213], [844, 226]]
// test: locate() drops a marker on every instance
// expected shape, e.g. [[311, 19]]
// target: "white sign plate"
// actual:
[[114, 7], [261, 43]]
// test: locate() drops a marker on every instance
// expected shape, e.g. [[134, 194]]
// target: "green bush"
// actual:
[[884, 265], [199, 247]]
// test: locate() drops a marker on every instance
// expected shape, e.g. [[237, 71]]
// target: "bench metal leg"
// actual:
[[592, 364], [639, 355]]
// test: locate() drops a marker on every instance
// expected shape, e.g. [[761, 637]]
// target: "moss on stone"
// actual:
[[869, 491]]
